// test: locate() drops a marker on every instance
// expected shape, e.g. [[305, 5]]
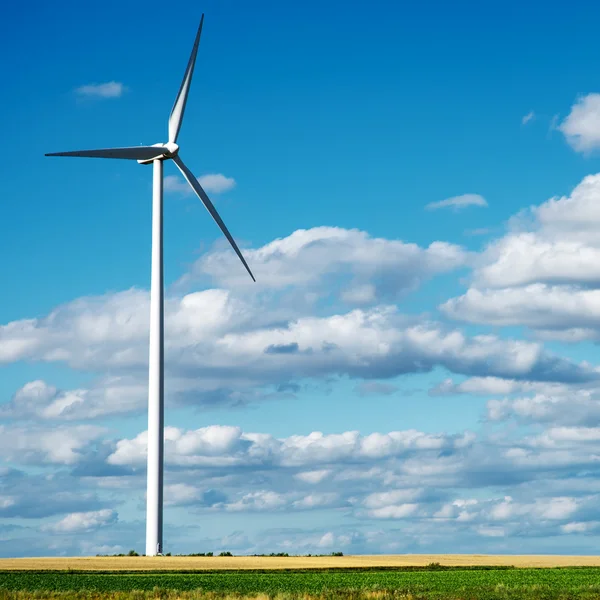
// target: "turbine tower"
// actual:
[[156, 155]]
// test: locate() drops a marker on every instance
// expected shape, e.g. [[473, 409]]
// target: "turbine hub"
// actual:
[[171, 149], [168, 150]]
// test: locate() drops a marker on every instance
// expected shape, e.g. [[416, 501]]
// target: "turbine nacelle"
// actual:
[[169, 150]]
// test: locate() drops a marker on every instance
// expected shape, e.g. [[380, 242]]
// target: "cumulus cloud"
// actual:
[[234, 347], [566, 406], [111, 89], [218, 446], [481, 386], [215, 183], [543, 273], [581, 127], [538, 306], [378, 343], [216, 332], [313, 476], [509, 512], [262, 500], [431, 486], [108, 395], [81, 522], [371, 267], [458, 202], [554, 242], [325, 309], [407, 477], [59, 445]]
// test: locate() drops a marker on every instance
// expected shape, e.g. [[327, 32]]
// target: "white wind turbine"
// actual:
[[156, 154]]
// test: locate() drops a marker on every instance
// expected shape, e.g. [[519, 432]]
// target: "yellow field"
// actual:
[[143, 563]]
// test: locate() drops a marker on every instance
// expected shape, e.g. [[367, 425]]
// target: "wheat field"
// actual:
[[173, 563]]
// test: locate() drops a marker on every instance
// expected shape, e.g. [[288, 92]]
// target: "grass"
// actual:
[[445, 584], [500, 593]]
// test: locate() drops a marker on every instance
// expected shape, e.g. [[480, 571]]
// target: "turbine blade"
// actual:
[[211, 209], [178, 109], [132, 153]]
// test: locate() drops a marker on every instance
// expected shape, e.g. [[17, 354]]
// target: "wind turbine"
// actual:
[[156, 155]]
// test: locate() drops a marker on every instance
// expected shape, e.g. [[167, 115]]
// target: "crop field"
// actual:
[[177, 563], [400, 583]]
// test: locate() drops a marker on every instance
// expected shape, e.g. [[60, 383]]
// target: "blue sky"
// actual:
[[415, 189]]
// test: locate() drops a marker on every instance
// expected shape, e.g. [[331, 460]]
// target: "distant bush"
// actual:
[[132, 553], [225, 554]]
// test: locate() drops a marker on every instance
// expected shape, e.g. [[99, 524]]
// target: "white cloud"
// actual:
[[111, 89], [525, 258], [402, 497], [528, 117], [537, 306], [484, 515], [108, 395], [544, 272], [214, 183], [376, 267], [6, 502], [398, 511], [578, 435], [581, 128], [262, 500], [359, 294], [229, 346], [202, 446], [555, 242], [580, 527], [316, 501], [484, 386], [538, 451], [174, 183], [410, 477], [82, 522], [215, 329], [177, 494], [219, 445], [458, 202], [313, 476], [491, 531], [564, 405], [58, 445]]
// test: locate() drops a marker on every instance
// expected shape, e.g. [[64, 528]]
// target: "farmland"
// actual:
[[416, 582], [178, 563]]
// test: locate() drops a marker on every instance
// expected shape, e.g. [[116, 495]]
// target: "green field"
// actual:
[[448, 583]]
